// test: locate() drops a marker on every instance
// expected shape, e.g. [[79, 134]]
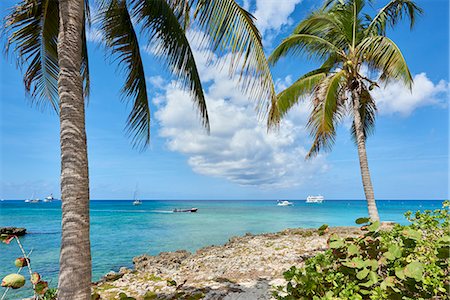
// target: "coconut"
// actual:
[[13, 281]]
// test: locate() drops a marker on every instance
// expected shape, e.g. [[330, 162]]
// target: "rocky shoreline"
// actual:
[[245, 267]]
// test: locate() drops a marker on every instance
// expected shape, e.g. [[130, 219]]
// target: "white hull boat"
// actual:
[[315, 199], [284, 203]]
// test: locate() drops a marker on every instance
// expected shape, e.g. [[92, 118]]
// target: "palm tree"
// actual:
[[49, 39], [347, 41]]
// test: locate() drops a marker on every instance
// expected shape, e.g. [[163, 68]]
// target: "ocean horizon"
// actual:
[[121, 231]]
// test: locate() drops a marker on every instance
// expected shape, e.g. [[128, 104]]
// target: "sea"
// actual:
[[120, 231]]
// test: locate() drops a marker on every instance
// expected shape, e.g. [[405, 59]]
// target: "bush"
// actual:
[[406, 262]]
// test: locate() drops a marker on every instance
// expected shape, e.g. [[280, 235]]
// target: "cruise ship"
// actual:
[[315, 199]]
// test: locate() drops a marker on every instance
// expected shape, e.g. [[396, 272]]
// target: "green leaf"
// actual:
[[373, 278], [362, 220], [323, 227], [393, 252], [362, 274], [352, 249], [412, 234], [400, 273], [337, 244], [355, 263], [372, 264], [414, 270], [374, 226]]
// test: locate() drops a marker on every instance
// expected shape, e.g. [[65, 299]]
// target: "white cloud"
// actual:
[[272, 15], [396, 98], [239, 148]]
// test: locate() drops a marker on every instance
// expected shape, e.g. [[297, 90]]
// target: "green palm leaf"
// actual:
[[327, 112], [381, 53], [32, 28], [391, 14], [122, 41], [33, 31], [304, 86], [231, 28], [159, 20], [311, 44]]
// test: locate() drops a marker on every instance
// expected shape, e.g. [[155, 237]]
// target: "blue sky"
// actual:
[[408, 155]]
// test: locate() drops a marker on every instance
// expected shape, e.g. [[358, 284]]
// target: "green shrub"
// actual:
[[406, 262]]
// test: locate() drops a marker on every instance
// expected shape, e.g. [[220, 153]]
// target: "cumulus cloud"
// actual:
[[396, 98], [238, 148], [272, 15]]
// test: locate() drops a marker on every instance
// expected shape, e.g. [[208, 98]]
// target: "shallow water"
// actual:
[[120, 231]]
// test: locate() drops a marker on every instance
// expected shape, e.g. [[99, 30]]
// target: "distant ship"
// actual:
[[49, 198], [136, 200], [33, 200], [284, 203], [315, 199]]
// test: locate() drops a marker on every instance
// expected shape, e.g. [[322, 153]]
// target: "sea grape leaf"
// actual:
[[352, 249], [371, 263], [393, 252], [412, 234], [337, 244], [362, 221], [414, 270], [362, 274], [374, 226], [400, 273]]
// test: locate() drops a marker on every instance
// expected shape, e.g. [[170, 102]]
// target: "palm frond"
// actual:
[[158, 19], [382, 54], [367, 111], [392, 13], [231, 28], [303, 87], [32, 28], [182, 9], [328, 25], [328, 110], [122, 41], [312, 45]]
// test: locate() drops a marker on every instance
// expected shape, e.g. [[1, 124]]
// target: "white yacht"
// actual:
[[284, 203], [49, 198], [315, 199]]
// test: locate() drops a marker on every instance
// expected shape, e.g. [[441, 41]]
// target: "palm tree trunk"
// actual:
[[75, 258], [363, 163]]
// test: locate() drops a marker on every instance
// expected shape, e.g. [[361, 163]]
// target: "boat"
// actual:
[[136, 200], [315, 199], [284, 203], [192, 210], [33, 200], [49, 198]]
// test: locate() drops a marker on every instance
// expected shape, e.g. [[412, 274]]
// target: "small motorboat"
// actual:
[[284, 203], [192, 210]]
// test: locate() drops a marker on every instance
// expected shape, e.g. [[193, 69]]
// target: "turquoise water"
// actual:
[[121, 231]]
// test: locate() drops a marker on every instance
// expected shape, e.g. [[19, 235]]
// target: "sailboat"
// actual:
[[136, 200], [49, 198], [33, 200]]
